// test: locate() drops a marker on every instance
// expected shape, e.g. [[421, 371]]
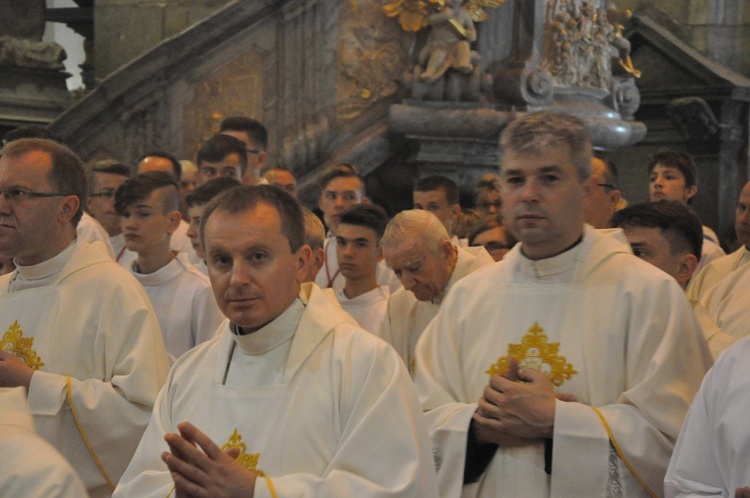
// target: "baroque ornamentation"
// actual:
[[535, 352], [372, 55], [452, 31], [581, 41], [247, 460], [14, 342]]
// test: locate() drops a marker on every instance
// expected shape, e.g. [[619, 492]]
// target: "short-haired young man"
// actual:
[[674, 177], [358, 253], [158, 160], [669, 235], [569, 311], [181, 295], [298, 397], [342, 187], [104, 179], [439, 195], [255, 137], [197, 200], [221, 155]]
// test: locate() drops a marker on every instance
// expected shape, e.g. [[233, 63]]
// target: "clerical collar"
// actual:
[[45, 269], [557, 268], [273, 334]]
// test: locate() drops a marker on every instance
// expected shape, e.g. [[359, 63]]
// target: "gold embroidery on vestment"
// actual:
[[14, 342], [247, 460], [535, 352]]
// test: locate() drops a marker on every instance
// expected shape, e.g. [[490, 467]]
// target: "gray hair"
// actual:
[[315, 232], [415, 224], [541, 131]]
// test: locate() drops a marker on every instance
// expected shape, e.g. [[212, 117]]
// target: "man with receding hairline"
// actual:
[[566, 368], [604, 195], [291, 398], [80, 334], [419, 250]]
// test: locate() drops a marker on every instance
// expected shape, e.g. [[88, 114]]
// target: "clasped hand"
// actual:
[[511, 412], [208, 473]]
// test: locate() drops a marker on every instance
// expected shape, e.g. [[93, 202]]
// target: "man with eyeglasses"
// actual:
[[80, 333], [88, 228], [255, 137], [604, 196], [104, 179]]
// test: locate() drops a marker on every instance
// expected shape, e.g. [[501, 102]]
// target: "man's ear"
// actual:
[[303, 259], [688, 266], [455, 211], [690, 192], [614, 198], [447, 247], [69, 208], [174, 221], [262, 159]]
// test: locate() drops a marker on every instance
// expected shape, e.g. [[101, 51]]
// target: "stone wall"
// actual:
[[719, 29], [125, 29]]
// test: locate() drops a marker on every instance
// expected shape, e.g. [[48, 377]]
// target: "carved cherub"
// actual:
[[448, 44]]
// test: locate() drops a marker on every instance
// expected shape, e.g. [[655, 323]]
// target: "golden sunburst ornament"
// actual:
[[14, 342], [535, 352], [247, 460]]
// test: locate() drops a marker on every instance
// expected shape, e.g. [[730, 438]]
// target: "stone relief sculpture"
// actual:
[[372, 55], [581, 42], [448, 45], [21, 31]]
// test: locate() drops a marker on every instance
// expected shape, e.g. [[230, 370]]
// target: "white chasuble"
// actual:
[[605, 327], [318, 406], [95, 340]]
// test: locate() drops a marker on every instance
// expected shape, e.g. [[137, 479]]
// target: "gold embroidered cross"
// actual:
[[535, 352], [14, 342], [247, 460]]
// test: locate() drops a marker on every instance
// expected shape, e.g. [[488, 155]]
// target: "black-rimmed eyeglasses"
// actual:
[[17, 194]]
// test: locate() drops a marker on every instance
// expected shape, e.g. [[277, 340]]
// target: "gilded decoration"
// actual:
[[581, 42], [14, 342], [372, 54], [452, 32], [247, 460], [535, 352], [234, 89]]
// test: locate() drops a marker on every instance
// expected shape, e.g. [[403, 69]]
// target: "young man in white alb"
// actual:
[[181, 295], [358, 253]]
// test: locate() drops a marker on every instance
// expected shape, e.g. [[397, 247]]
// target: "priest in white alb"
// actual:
[[80, 334], [291, 398], [565, 369], [419, 250]]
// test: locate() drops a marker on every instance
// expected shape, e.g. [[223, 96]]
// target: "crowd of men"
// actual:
[[190, 329]]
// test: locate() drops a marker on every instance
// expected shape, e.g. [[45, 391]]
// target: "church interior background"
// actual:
[[341, 80]]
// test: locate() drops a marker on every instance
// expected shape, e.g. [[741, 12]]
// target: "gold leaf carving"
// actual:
[[14, 342], [247, 460], [535, 352]]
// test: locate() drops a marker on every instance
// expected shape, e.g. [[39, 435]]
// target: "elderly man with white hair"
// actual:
[[418, 249]]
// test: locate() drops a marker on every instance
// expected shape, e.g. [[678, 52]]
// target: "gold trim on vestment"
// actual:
[[535, 352], [14, 342]]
